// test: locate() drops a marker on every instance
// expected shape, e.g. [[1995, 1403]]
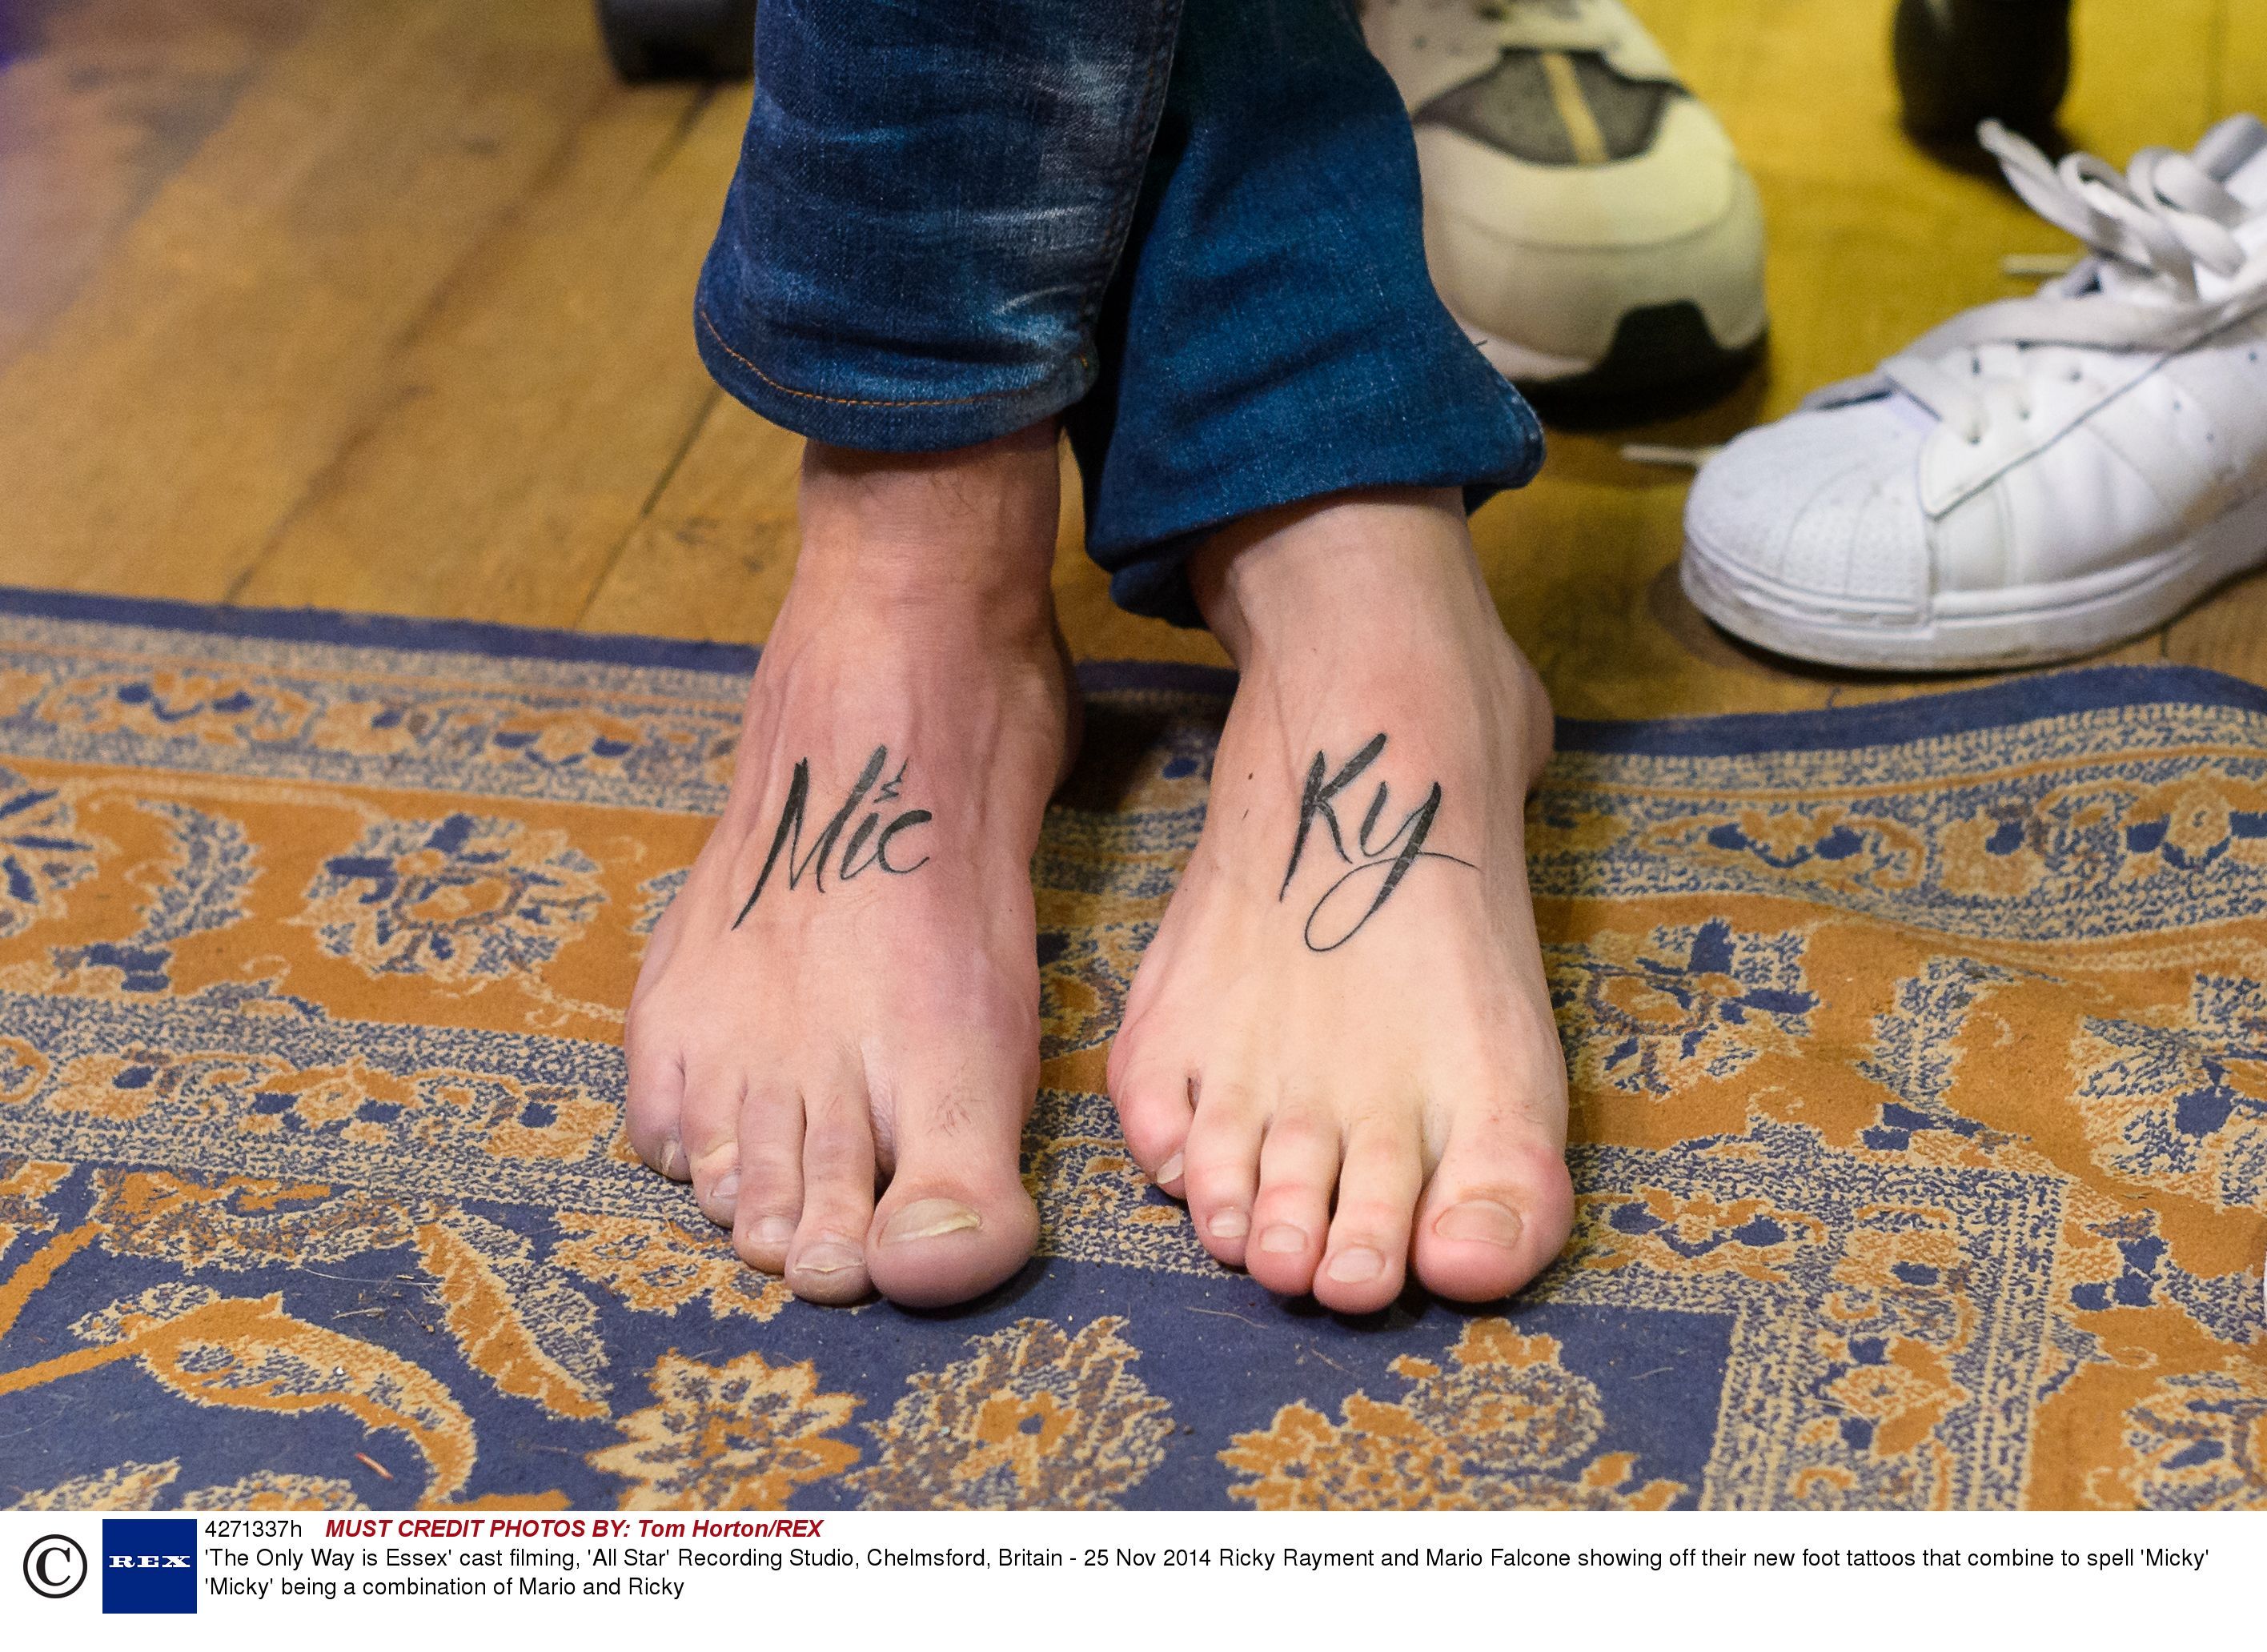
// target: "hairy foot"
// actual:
[[844, 997], [1338, 1048]]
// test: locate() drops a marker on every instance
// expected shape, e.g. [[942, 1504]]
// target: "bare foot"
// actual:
[[1339, 1049], [845, 994]]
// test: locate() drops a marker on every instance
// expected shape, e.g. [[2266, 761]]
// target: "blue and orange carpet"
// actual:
[[1920, 1077]]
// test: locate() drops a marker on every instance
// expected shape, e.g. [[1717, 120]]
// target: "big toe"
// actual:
[[1485, 1228], [937, 1242]]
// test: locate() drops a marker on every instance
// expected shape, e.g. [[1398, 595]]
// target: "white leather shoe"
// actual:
[[1585, 217], [2037, 477]]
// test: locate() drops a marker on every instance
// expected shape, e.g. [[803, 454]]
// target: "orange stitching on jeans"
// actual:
[[847, 402]]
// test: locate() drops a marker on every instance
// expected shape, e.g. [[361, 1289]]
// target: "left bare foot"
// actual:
[[1339, 1047], [844, 996]]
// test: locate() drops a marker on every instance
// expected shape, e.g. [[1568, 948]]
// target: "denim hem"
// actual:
[[1152, 579], [888, 426]]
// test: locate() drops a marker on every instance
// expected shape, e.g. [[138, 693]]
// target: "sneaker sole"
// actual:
[[1663, 360], [2030, 624]]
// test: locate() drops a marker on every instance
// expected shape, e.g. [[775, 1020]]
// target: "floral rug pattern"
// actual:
[[1919, 1058]]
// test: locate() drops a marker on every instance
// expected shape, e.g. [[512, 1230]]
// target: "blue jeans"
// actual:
[[1191, 227]]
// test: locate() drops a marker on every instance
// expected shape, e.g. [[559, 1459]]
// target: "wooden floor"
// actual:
[[384, 304]]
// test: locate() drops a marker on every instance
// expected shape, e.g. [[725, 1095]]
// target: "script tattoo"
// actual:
[[872, 838], [1381, 863]]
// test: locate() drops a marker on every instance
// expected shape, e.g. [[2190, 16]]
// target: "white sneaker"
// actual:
[[2036, 478], [1585, 217]]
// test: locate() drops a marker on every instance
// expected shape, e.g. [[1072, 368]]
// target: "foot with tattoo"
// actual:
[[843, 999], [1338, 1048]]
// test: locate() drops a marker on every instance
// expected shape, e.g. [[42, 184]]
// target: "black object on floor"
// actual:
[[1961, 62], [679, 39]]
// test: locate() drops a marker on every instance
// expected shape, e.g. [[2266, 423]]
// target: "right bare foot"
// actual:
[[1339, 1048], [845, 994]]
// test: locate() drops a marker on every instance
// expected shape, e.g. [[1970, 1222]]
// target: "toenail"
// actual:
[[1480, 1219], [929, 1219], [1229, 1224], [828, 1258], [726, 1190], [1170, 1171], [1351, 1267], [771, 1232], [1283, 1240], [673, 1163]]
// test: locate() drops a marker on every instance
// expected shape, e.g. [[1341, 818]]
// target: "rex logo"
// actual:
[[149, 1566]]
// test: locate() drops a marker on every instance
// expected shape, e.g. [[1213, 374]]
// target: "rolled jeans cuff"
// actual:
[[882, 425], [1192, 227]]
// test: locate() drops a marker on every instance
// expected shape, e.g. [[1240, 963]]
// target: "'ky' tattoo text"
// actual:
[[871, 841], [1377, 865]]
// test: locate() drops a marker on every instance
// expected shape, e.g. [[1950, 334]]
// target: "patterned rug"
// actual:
[[1919, 1057]]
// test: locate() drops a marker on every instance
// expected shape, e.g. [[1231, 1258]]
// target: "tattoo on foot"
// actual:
[[1387, 861], [872, 836]]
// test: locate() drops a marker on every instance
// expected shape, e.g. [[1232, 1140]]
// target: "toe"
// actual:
[[1223, 1174], [1496, 1211], [1298, 1167], [1152, 1098], [827, 1261], [711, 1127], [956, 1220], [1384, 1171], [771, 1176], [654, 1055]]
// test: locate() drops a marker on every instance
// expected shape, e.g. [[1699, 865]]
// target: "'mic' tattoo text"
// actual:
[[869, 848], [1377, 865]]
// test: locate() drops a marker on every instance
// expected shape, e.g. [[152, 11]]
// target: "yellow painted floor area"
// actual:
[[384, 304]]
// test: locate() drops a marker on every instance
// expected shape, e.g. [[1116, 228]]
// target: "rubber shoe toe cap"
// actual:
[[1820, 512]]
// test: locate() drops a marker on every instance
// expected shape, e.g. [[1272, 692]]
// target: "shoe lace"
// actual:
[[2156, 231], [2164, 215]]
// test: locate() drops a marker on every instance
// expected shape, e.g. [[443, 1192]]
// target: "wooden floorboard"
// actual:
[[155, 436], [384, 304], [100, 102], [524, 422]]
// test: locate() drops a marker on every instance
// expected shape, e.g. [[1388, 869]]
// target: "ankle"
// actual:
[[972, 529], [1391, 566], [1377, 597]]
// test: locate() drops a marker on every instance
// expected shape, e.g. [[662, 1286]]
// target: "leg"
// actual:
[[1273, 333], [846, 991], [1339, 1048], [845, 995]]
